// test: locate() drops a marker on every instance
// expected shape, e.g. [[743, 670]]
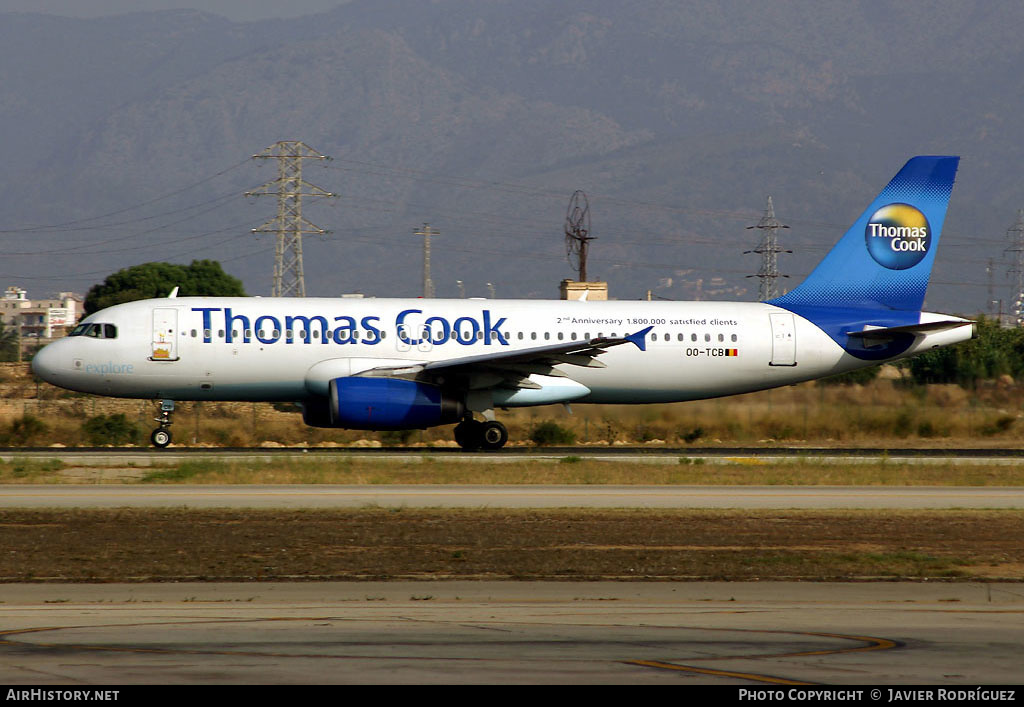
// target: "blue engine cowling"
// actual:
[[383, 404]]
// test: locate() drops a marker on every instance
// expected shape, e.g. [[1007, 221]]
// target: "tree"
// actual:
[[8, 343], [202, 277], [992, 352]]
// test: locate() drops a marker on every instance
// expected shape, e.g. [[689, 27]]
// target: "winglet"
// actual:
[[639, 338]]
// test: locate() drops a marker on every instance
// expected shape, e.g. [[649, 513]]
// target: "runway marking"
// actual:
[[873, 644], [718, 673]]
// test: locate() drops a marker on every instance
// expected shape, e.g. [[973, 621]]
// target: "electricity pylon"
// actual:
[[289, 224], [768, 250]]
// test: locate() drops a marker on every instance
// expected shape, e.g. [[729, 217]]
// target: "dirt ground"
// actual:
[[375, 544]]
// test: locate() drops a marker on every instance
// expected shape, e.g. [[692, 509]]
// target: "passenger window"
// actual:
[[194, 333], [547, 335], [559, 336], [721, 337], [693, 337], [734, 337], [707, 337]]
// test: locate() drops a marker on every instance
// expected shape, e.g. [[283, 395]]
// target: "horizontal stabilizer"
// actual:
[[874, 336]]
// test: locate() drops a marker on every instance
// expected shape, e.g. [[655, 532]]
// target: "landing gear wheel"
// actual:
[[468, 434], [493, 435], [160, 437]]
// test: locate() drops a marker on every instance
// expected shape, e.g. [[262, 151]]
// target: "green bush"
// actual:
[[23, 431], [549, 433], [116, 430], [993, 352], [692, 435], [395, 438]]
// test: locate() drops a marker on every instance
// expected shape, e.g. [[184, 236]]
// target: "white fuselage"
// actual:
[[262, 349]]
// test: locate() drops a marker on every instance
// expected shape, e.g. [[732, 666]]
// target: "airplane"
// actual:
[[391, 364]]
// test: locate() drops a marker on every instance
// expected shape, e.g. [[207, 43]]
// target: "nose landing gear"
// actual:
[[161, 436]]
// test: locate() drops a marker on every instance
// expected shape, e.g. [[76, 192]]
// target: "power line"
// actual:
[[61, 226]]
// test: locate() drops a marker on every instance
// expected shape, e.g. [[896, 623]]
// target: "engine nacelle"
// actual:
[[382, 404]]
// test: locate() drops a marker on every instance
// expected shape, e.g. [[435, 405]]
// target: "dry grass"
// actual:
[[572, 470], [884, 413], [220, 545]]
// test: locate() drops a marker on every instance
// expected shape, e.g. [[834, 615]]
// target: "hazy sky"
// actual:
[[239, 10]]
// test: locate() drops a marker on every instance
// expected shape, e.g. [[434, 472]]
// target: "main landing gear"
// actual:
[[471, 434], [161, 436]]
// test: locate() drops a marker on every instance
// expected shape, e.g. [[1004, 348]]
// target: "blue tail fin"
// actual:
[[884, 260], [878, 272]]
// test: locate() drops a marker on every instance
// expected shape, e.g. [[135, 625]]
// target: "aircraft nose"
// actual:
[[46, 364]]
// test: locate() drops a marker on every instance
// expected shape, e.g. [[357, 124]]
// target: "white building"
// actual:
[[42, 320]]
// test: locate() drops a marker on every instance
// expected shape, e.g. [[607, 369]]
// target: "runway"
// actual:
[[785, 634], [451, 496], [768, 634]]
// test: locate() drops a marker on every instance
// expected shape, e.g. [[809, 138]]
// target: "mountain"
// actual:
[[483, 117]]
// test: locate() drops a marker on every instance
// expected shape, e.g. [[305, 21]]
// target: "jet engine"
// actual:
[[382, 404]]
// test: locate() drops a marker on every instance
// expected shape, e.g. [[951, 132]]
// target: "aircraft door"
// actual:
[[165, 334], [783, 339]]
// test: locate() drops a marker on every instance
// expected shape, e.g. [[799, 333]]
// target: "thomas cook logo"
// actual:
[[898, 236]]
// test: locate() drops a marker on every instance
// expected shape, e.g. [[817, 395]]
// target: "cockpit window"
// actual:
[[96, 331]]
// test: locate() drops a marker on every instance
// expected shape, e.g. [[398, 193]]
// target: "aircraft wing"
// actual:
[[513, 368]]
